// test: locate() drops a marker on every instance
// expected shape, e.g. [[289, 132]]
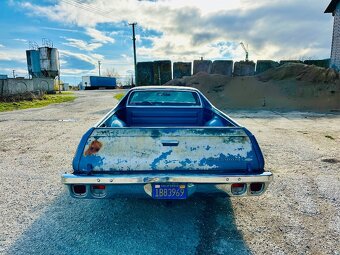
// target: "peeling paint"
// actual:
[[164, 155], [197, 149], [93, 162]]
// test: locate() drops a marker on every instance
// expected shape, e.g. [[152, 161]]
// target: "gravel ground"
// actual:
[[300, 213]]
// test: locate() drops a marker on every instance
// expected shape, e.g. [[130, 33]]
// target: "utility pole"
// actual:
[[13, 73], [59, 85], [134, 48], [99, 66]]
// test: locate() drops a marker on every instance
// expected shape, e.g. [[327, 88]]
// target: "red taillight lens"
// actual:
[[238, 188], [79, 189], [256, 187], [101, 187], [98, 190], [238, 185]]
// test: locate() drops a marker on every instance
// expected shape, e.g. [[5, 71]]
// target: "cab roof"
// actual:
[[164, 87]]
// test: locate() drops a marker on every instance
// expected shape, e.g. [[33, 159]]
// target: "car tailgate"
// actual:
[[167, 149]]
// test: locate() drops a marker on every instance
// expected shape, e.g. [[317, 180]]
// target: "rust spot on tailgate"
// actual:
[[93, 148]]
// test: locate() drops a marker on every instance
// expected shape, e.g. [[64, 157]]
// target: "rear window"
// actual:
[[164, 98]]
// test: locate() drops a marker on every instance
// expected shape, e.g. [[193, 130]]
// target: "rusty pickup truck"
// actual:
[[166, 142]]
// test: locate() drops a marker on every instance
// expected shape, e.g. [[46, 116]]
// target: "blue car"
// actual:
[[166, 142]]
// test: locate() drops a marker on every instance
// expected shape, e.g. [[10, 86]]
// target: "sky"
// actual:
[[88, 31]]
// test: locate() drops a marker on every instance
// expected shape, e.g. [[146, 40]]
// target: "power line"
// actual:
[[84, 6], [87, 7], [91, 8], [102, 11]]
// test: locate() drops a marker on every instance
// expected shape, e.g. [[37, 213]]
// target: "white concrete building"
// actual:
[[334, 8]]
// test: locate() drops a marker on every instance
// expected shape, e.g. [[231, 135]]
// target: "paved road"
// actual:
[[298, 215]]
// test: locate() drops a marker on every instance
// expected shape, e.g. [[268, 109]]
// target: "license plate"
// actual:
[[169, 191]]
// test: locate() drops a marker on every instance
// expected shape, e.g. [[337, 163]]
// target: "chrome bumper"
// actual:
[[124, 185]]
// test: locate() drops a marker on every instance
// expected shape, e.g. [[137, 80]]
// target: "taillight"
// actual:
[[98, 186], [238, 188], [79, 189], [98, 190], [256, 187]]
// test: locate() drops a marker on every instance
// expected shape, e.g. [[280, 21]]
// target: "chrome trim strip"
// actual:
[[165, 178]]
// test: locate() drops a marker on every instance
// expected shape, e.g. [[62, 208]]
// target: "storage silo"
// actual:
[[264, 65], [202, 66], [33, 63], [222, 67], [162, 72], [181, 69], [244, 68], [145, 75], [49, 61]]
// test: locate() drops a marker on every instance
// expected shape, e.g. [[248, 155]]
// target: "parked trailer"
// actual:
[[98, 82]]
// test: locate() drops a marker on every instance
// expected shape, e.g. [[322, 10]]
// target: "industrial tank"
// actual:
[[181, 69], [145, 75], [222, 67], [33, 63], [202, 66], [49, 61], [162, 72], [244, 68]]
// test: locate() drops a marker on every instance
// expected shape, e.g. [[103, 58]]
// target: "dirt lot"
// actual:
[[300, 213]]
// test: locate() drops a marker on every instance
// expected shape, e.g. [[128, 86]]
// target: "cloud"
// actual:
[[20, 40], [61, 29], [21, 72], [273, 29], [99, 36], [80, 44], [75, 72], [2, 46], [127, 58], [18, 55], [89, 58], [123, 63], [63, 62]]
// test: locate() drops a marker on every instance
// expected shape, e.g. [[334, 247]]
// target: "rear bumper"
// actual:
[[140, 185]]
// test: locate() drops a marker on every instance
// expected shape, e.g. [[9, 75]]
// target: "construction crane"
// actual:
[[245, 49]]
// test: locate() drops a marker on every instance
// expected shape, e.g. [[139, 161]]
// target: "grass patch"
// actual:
[[66, 92], [119, 96], [38, 102]]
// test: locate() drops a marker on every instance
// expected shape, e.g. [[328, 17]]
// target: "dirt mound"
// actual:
[[289, 87], [200, 78], [300, 72], [207, 83]]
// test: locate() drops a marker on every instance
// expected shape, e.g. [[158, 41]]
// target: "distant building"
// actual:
[[20, 85], [334, 8], [43, 62], [98, 82]]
